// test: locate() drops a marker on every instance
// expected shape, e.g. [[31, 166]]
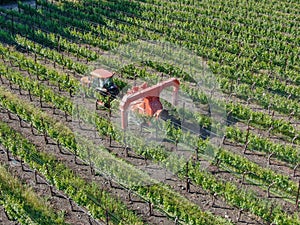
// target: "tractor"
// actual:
[[101, 81], [141, 99]]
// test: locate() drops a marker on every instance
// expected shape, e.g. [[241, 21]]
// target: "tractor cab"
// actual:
[[101, 80]]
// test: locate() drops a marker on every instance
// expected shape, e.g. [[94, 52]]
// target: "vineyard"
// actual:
[[231, 157]]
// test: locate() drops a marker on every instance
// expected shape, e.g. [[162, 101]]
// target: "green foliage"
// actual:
[[85, 194], [21, 202]]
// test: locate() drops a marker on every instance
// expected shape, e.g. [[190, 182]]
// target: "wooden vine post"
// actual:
[[150, 208], [197, 152], [29, 93], [7, 154], [223, 139], [245, 147], [297, 198], [188, 181], [110, 139], [239, 215], [90, 161], [269, 158], [183, 112], [269, 187], [107, 217], [35, 177]]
